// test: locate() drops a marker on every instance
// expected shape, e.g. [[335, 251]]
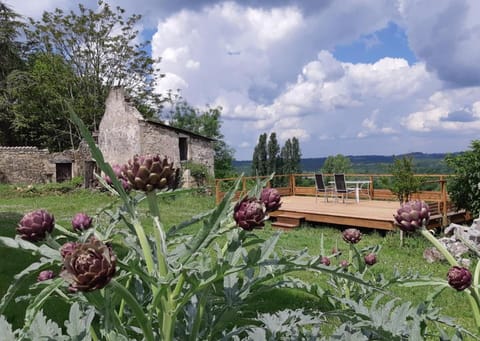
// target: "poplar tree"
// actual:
[[259, 161]]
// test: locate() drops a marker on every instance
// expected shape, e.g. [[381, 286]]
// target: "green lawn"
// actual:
[[180, 207]]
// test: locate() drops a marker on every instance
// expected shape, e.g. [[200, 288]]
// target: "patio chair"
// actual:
[[321, 188], [341, 187]]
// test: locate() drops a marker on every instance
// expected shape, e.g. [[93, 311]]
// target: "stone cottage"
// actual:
[[123, 132]]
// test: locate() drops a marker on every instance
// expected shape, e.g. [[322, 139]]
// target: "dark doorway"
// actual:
[[63, 172], [183, 146]]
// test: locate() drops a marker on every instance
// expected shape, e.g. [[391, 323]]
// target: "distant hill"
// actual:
[[425, 163]]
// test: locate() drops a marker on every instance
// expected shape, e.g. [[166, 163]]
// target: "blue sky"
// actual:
[[350, 77]]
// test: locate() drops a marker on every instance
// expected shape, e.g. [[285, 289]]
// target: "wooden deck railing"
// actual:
[[432, 190]]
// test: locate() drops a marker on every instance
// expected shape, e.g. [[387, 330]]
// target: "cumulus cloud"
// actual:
[[446, 36]]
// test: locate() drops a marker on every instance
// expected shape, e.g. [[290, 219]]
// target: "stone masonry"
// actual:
[[26, 165], [123, 133]]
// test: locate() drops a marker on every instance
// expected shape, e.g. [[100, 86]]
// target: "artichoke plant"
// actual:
[[35, 225], [325, 261], [81, 221], [90, 266], [412, 215], [147, 173], [67, 248], [45, 275], [271, 199], [352, 236], [249, 213], [370, 259], [459, 278]]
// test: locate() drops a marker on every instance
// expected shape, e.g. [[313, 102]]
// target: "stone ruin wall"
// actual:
[[157, 140], [27, 165]]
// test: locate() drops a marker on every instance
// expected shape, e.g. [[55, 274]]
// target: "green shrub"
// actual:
[[464, 185]]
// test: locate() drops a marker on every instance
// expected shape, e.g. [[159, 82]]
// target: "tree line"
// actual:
[[269, 158], [73, 59]]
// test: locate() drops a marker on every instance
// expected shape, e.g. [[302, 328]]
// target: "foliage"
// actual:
[[207, 123], [36, 98], [403, 182], [77, 57], [463, 185], [167, 286], [291, 156], [198, 171], [273, 155], [259, 161], [337, 164], [10, 59]]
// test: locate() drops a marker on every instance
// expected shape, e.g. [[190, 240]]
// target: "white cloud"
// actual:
[[446, 36]]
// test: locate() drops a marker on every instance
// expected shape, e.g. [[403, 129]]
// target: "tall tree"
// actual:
[[337, 164], [259, 162], [207, 123], [37, 97], [291, 156], [10, 59], [101, 47], [273, 154]]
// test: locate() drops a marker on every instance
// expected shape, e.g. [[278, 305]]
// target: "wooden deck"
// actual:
[[375, 214]]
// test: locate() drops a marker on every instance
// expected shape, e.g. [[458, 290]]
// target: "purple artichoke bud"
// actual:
[[459, 278], [90, 266], [249, 213], [370, 259], [325, 261], [45, 275], [352, 236], [344, 263], [35, 225], [147, 173], [68, 248], [412, 215], [271, 199], [117, 170], [81, 222]]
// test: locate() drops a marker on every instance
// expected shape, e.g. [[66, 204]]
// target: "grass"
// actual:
[[178, 208]]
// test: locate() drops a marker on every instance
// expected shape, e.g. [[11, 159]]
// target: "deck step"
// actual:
[[288, 220], [284, 225]]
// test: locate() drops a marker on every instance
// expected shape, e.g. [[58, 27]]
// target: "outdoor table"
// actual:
[[358, 184]]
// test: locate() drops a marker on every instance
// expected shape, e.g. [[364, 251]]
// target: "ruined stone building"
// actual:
[[123, 133]]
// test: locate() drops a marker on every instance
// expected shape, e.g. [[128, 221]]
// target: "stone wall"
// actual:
[[119, 130], [27, 165], [123, 132]]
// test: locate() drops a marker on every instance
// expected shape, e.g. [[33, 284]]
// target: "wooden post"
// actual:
[[370, 187], [217, 191], [292, 184], [443, 190]]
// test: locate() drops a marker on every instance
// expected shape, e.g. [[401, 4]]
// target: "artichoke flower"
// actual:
[[90, 266], [147, 173], [35, 225], [412, 215], [370, 259], [325, 261], [459, 278], [81, 221], [352, 236], [344, 263], [271, 199], [45, 275], [117, 169], [249, 213], [68, 248]]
